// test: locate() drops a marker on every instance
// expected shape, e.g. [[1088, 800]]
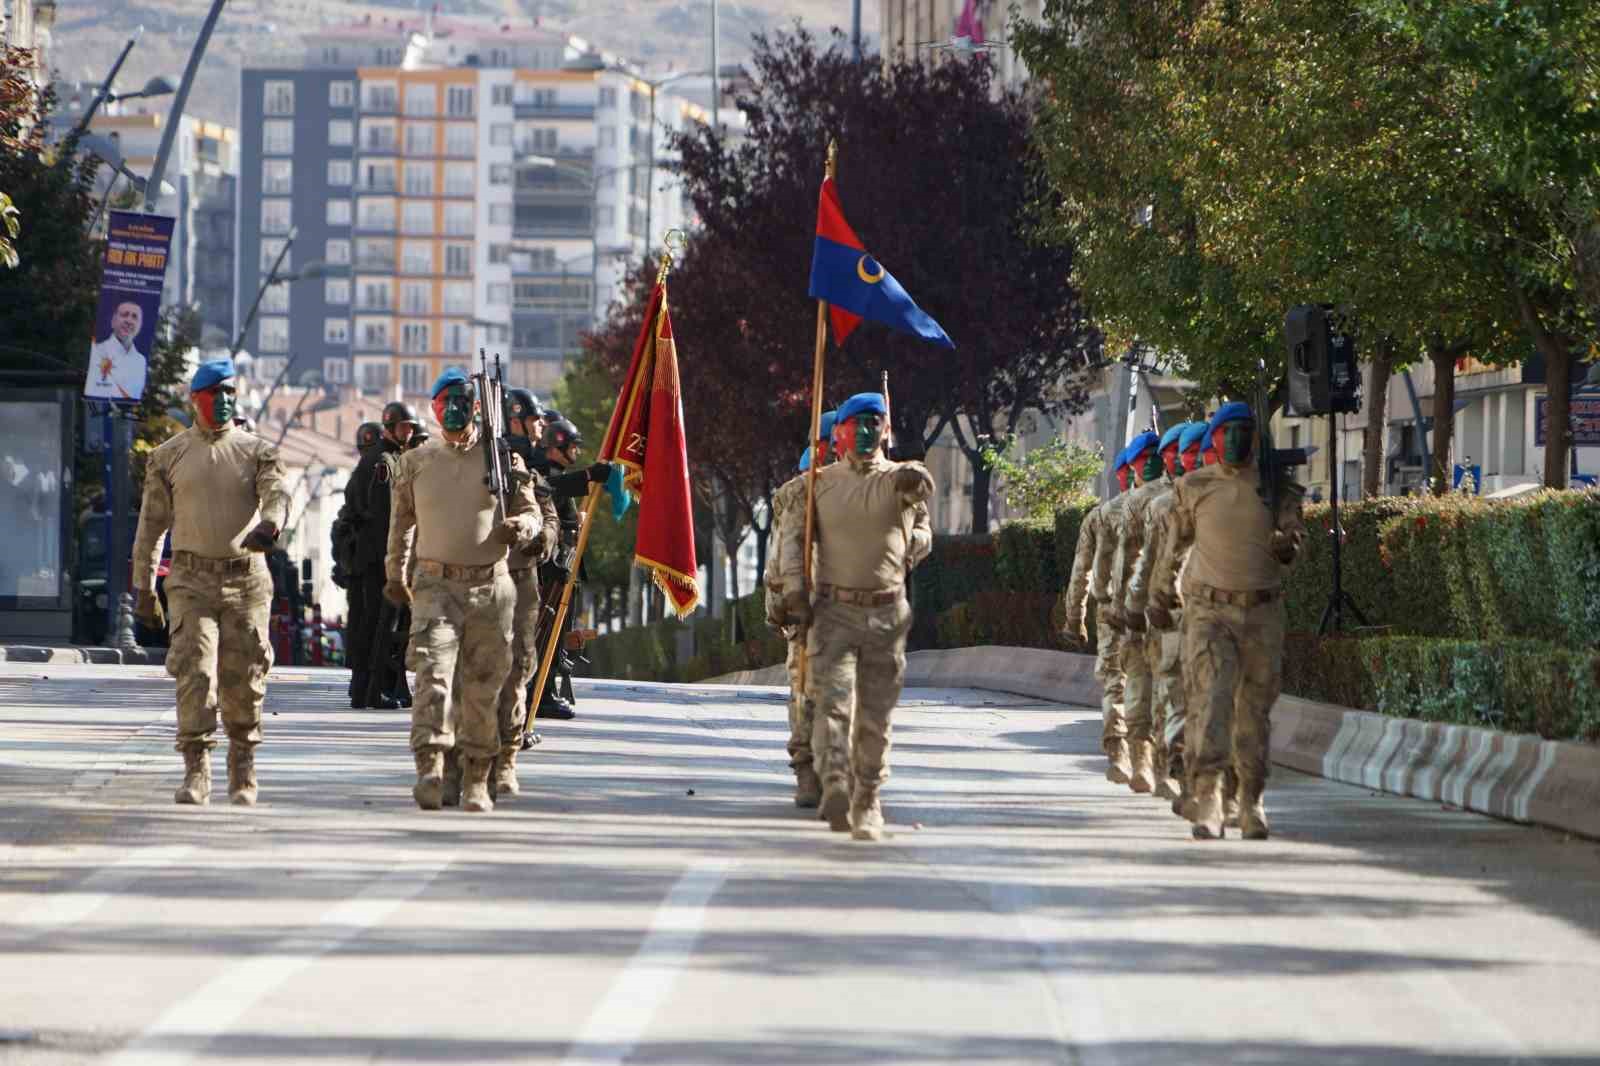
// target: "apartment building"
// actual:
[[465, 185], [931, 28]]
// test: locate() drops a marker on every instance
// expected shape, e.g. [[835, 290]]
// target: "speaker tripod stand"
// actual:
[[1338, 600]]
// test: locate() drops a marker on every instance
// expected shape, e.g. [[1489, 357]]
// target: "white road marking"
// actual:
[[93, 892], [217, 1005], [615, 1025], [151, 745]]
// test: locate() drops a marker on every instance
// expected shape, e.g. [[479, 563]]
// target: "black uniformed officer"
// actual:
[[563, 444], [363, 587]]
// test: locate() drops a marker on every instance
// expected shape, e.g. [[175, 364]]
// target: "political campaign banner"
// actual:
[[137, 248], [1585, 420]]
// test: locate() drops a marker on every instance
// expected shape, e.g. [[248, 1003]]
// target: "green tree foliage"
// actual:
[[10, 227], [1040, 481]]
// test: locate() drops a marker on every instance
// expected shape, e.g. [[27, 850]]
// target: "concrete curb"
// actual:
[[1517, 778], [25, 653]]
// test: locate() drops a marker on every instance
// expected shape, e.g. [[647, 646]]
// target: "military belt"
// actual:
[[239, 564], [452, 572], [1248, 598], [861, 597]]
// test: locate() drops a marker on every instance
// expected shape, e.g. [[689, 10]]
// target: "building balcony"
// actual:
[[380, 146], [380, 105], [382, 263], [378, 226], [378, 185], [554, 112]]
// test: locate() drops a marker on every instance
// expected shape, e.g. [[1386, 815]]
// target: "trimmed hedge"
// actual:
[[650, 653], [1516, 685], [956, 570]]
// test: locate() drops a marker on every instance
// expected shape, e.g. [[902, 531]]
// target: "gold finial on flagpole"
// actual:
[[672, 243]]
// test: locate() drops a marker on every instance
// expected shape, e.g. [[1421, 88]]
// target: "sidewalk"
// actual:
[[72, 653]]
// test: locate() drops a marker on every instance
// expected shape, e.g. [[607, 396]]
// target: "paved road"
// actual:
[[654, 897]]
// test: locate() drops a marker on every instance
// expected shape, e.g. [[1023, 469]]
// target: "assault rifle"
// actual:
[[490, 390], [1275, 463]]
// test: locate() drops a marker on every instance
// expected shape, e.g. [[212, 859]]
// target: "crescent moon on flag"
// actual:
[[862, 273]]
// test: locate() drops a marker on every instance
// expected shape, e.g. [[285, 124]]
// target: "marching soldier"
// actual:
[[463, 600], [1162, 642], [871, 529], [525, 426], [1087, 584], [563, 444], [219, 489], [1233, 615], [788, 505]]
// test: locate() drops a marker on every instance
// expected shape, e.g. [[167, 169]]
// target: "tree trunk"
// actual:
[[1376, 435], [982, 477], [1443, 358], [1558, 385]]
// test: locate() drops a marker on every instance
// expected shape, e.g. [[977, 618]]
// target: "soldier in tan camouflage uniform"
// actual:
[[219, 489], [1127, 523], [1163, 644], [1233, 617], [464, 599], [788, 504], [871, 529], [1087, 584]]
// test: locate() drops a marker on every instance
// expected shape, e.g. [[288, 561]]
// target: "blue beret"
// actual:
[[1192, 432], [1120, 461], [1140, 444], [453, 375], [861, 403], [1236, 411], [829, 419], [1170, 437], [211, 373]]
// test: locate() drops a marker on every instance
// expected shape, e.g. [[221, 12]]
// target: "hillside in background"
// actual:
[[660, 34]]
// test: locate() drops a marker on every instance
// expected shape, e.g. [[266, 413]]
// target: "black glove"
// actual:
[[262, 538], [599, 473]]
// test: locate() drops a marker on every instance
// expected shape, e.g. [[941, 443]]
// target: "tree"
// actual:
[[964, 248], [1043, 480]]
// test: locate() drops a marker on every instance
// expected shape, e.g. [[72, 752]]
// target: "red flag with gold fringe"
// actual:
[[647, 439]]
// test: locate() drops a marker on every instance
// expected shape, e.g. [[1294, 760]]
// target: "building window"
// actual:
[[336, 371], [377, 214], [421, 100], [457, 338], [608, 98], [461, 139], [336, 291], [416, 257], [501, 95], [458, 298], [279, 98], [339, 212], [458, 259], [275, 299], [539, 140], [277, 177], [337, 252], [330, 57], [499, 294], [379, 96], [500, 134], [374, 335], [336, 331], [379, 178], [414, 339], [416, 297], [374, 296], [419, 180], [277, 137], [270, 247], [458, 218], [458, 101], [274, 335], [375, 253], [500, 174], [501, 214], [414, 377], [499, 57], [378, 136], [341, 94], [418, 217], [375, 376], [341, 172], [605, 216], [608, 136], [460, 179], [419, 140], [341, 132], [499, 253]]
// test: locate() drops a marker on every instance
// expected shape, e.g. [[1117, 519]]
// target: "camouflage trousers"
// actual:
[[807, 729], [1232, 671], [1138, 685], [858, 657], [469, 622], [1168, 702], [220, 651], [512, 708], [1108, 671]]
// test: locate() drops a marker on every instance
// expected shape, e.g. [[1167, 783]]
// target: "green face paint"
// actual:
[[869, 433], [456, 411], [1154, 466], [1237, 439]]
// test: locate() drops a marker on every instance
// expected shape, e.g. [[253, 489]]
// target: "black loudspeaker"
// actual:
[[1323, 376]]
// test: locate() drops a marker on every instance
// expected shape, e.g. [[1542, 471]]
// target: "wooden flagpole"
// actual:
[[831, 170], [590, 502]]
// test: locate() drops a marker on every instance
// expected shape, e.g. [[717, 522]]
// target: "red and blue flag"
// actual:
[[855, 285]]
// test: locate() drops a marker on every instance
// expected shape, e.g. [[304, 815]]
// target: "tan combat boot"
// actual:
[[1230, 800], [1143, 778], [1120, 771], [429, 789], [196, 787], [807, 788], [866, 816], [836, 805], [1252, 812], [242, 788], [504, 778], [452, 778], [475, 784], [1207, 815]]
